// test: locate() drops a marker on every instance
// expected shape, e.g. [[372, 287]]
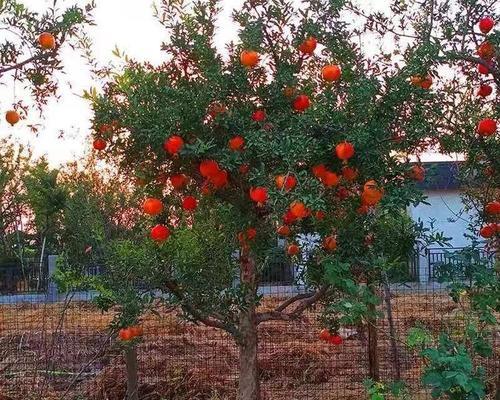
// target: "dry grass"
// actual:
[[182, 361]]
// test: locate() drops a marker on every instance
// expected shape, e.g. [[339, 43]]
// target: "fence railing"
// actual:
[[278, 273], [438, 257], [31, 276]]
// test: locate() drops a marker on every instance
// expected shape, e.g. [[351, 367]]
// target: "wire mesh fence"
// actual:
[[63, 350]]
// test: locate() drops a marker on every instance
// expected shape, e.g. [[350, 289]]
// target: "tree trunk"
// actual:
[[40, 264], [374, 370], [132, 380], [497, 394], [249, 385], [392, 328]]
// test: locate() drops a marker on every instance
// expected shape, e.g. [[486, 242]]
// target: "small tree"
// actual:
[[295, 134]]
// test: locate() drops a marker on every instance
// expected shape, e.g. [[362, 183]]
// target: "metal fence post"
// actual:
[[423, 266], [51, 285]]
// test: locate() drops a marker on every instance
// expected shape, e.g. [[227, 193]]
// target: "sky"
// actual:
[[127, 24]]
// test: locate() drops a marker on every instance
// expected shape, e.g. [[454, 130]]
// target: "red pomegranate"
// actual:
[[486, 127], [349, 173], [483, 69], [236, 143], [283, 230], [486, 24], [329, 243], [249, 58], [125, 334], [289, 218], [259, 115], [251, 233], [189, 203], [209, 168], [417, 173], [344, 150], [99, 144], [301, 103], [372, 194], [331, 73], [287, 182], [243, 169], [319, 170], [330, 179], [259, 194], [299, 210], [486, 50], [173, 144], [178, 181], [492, 208], [336, 340], [160, 233], [320, 215], [484, 90], [152, 206], [219, 179], [324, 334], [426, 82], [308, 46], [488, 231], [293, 250]]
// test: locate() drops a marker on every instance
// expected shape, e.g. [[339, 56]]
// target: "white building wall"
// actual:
[[446, 208]]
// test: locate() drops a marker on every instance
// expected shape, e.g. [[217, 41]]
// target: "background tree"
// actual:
[[46, 199], [13, 163], [30, 48], [466, 43]]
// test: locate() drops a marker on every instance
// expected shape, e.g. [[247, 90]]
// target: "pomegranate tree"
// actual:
[[293, 133]]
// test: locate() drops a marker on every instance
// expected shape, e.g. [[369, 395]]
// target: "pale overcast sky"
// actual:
[[128, 24]]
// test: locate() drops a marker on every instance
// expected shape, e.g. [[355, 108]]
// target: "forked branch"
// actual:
[[305, 301], [197, 314]]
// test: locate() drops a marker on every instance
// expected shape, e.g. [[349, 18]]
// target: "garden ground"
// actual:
[[57, 351]]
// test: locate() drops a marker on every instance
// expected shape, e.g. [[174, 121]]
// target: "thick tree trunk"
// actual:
[[249, 385], [132, 380]]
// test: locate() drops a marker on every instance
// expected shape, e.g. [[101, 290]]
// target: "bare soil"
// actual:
[[46, 356]]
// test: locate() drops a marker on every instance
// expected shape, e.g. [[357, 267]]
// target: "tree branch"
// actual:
[[206, 320], [431, 22], [461, 56], [292, 300], [269, 39], [23, 63], [279, 314]]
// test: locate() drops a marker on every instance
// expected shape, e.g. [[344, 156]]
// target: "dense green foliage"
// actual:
[[368, 107]]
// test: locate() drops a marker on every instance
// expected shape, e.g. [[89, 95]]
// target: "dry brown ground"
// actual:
[[39, 360]]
